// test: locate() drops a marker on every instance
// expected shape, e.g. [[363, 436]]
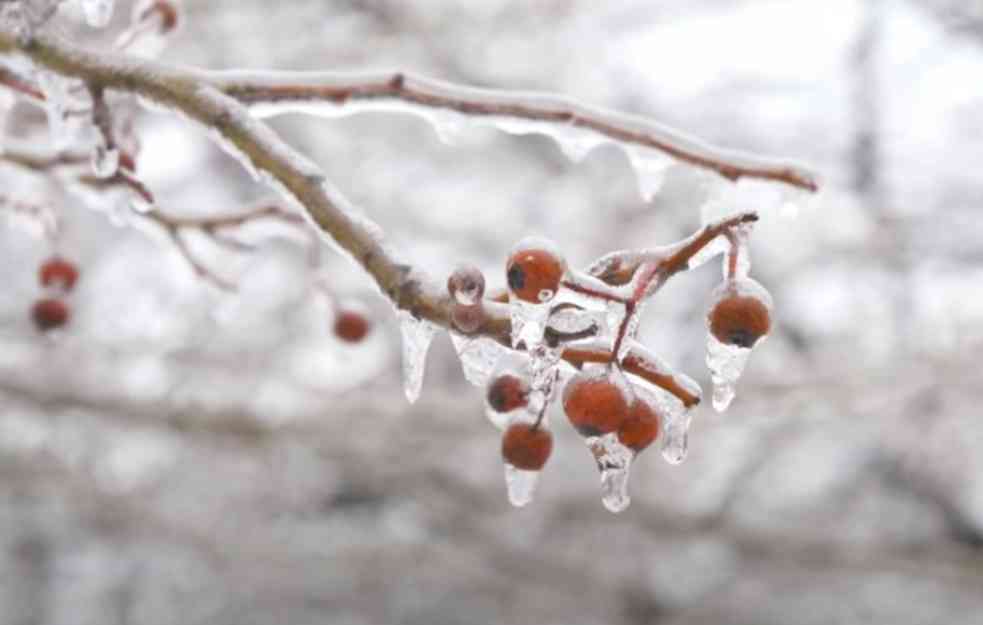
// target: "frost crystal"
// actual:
[[521, 485], [614, 463], [417, 336], [97, 12]]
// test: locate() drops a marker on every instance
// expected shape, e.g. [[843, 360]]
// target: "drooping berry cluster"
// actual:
[[579, 329], [57, 277]]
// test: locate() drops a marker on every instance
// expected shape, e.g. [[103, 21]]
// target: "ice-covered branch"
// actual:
[[262, 151], [274, 92]]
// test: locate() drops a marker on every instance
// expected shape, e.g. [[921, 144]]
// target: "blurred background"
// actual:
[[183, 454]]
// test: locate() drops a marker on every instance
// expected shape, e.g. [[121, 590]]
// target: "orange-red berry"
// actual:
[[350, 326], [739, 320], [56, 271], [49, 314], [594, 405], [508, 392], [641, 427], [526, 447], [534, 274]]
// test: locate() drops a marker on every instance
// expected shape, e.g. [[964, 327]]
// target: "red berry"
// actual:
[[466, 285], [49, 314], [350, 326], [739, 320], [534, 274], [526, 447], [56, 271], [594, 404], [641, 427], [508, 392]]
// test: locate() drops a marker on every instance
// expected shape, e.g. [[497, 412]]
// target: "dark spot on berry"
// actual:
[[741, 338], [516, 278]]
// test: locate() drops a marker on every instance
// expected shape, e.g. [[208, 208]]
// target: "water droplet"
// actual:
[[417, 336]]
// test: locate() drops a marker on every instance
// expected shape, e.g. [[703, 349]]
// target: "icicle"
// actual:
[[726, 364], [449, 126], [650, 168], [417, 336], [105, 161], [576, 144], [521, 485], [97, 12], [479, 356], [675, 433], [614, 462]]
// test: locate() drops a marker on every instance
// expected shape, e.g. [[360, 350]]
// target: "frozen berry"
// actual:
[[56, 271], [594, 404], [508, 392], [739, 320], [350, 326], [534, 272], [526, 446], [466, 285], [49, 314], [468, 319], [641, 427]]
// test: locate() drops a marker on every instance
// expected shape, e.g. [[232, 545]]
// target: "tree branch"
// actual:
[[293, 89]]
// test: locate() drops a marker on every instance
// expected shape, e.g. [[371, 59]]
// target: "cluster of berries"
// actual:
[[58, 277], [598, 401]]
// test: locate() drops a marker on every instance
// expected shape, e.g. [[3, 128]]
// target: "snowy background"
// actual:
[[180, 454]]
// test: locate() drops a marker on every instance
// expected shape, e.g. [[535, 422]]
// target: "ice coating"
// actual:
[[649, 361], [718, 246], [521, 485], [528, 323], [737, 261], [417, 336], [466, 285], [97, 12], [105, 161], [726, 364], [577, 128], [614, 463], [650, 168], [479, 357]]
